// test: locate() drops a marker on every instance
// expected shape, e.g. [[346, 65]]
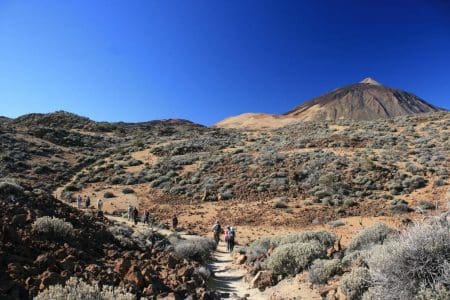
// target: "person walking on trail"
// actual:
[[99, 204], [229, 238], [88, 202], [217, 230], [79, 200], [174, 222], [135, 215], [130, 212], [146, 216]]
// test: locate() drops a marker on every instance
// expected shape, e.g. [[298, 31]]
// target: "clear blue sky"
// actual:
[[207, 60]]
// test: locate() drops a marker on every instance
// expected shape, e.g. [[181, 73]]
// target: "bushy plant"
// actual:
[[108, 195], [355, 283], [128, 190], [326, 239], [416, 261], [323, 269], [280, 204], [368, 237], [290, 259], [10, 188], [75, 289], [53, 227], [198, 249]]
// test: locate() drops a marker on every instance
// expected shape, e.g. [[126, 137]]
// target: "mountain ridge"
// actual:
[[362, 101]]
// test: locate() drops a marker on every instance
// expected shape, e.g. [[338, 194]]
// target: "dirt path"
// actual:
[[229, 280]]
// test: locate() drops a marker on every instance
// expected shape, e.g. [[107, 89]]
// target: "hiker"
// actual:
[[130, 212], [217, 229], [135, 215], [99, 204], [229, 238], [79, 200], [88, 201], [146, 216], [174, 222]]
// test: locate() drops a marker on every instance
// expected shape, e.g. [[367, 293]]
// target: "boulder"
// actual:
[[135, 277], [241, 259], [68, 263], [263, 280], [49, 278], [43, 261], [122, 266]]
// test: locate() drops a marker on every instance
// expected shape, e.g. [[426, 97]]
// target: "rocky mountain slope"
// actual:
[[366, 100], [44, 242], [296, 176]]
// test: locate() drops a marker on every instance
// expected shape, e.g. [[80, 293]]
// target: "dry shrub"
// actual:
[[417, 263], [75, 289]]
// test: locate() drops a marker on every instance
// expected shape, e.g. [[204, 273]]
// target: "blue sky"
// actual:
[[207, 60]]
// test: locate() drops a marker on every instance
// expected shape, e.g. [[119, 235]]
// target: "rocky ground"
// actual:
[[339, 176]]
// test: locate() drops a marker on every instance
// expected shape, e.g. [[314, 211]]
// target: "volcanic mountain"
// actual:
[[365, 100]]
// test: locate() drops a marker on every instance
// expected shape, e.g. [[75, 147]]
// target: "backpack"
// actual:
[[231, 234], [217, 228]]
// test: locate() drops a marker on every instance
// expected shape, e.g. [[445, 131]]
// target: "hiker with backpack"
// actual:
[[99, 204], [231, 238], [79, 200], [88, 201], [146, 216], [230, 235], [135, 215], [130, 212], [217, 229], [175, 222]]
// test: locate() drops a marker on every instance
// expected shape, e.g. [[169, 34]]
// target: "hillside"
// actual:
[[280, 180], [363, 101]]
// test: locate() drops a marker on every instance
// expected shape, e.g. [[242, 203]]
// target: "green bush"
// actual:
[[325, 238], [355, 283], [292, 258], [108, 195], [323, 269], [198, 249], [368, 237], [53, 227], [128, 190], [418, 261], [75, 289], [9, 188]]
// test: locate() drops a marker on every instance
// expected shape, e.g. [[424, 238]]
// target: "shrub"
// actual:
[[53, 227], [426, 205], [280, 204], [418, 261], [336, 223], [374, 235], [9, 188], [75, 289], [204, 272], [128, 190], [71, 188], [323, 269], [198, 249], [108, 195], [290, 259], [326, 239], [355, 283]]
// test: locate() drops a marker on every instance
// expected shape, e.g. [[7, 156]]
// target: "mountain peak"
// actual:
[[369, 80]]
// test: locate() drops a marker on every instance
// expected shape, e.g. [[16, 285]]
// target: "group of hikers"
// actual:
[[133, 215], [86, 202], [229, 235]]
